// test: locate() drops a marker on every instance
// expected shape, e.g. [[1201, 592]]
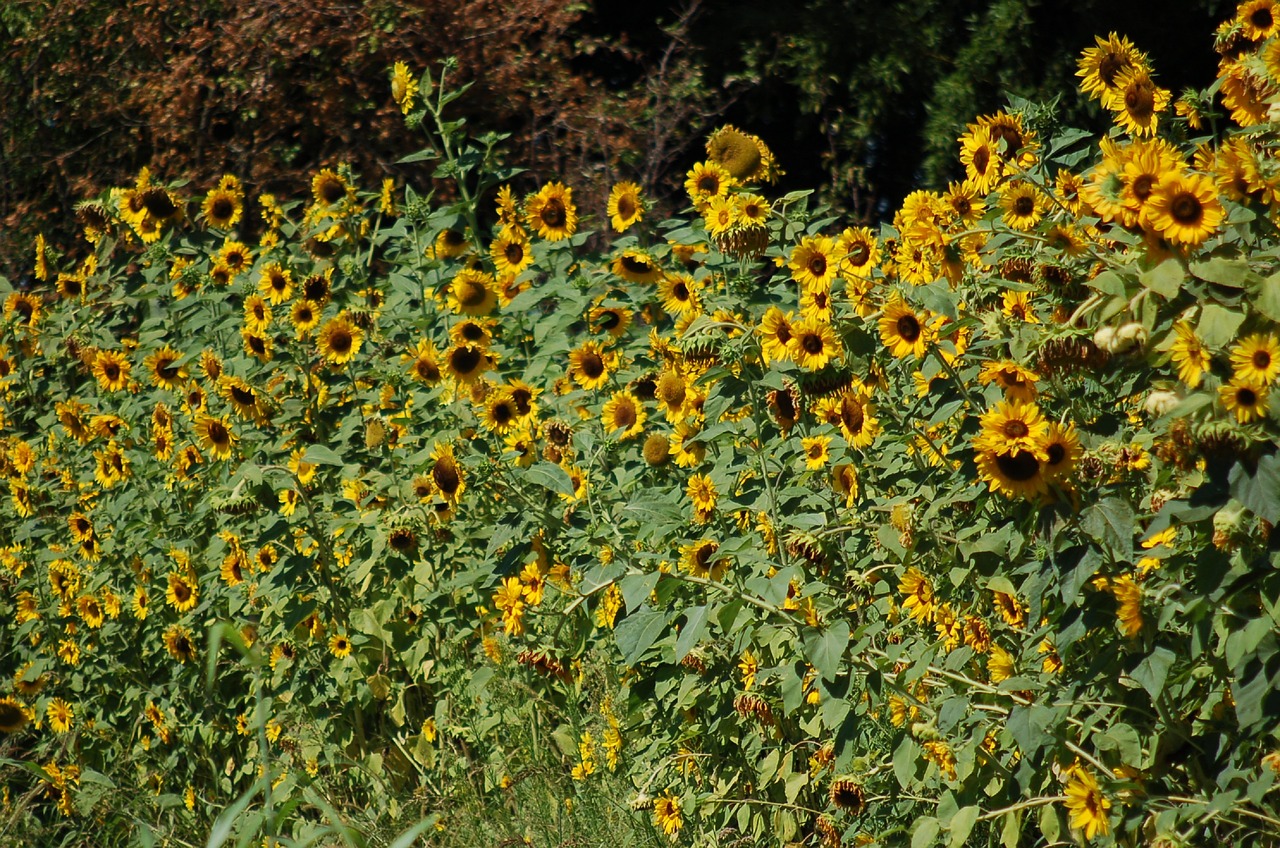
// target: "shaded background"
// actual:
[[861, 100]]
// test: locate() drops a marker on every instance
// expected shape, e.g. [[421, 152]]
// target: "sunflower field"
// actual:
[[744, 527]]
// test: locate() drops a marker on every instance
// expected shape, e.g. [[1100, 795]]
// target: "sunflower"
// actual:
[[179, 644], [339, 340], [688, 453], [706, 180], [1128, 596], [666, 815], [305, 315], [216, 436], [446, 474], [403, 87], [162, 368], [776, 332], [111, 367], [223, 208], [329, 188], [1017, 305], [1260, 19], [1086, 804], [472, 292], [853, 413], [551, 212], [1018, 383], [1256, 359], [1184, 208], [242, 397], [70, 286], [1012, 426], [720, 215], [903, 331], [1061, 451], [23, 305], [1013, 473], [61, 716], [702, 493], [736, 152], [814, 262], [813, 344], [623, 414], [318, 288], [816, 305], [510, 251], [1245, 398], [918, 590], [625, 207], [613, 320], [1247, 95], [590, 365], [14, 715], [1023, 205], [89, 608], [753, 210], [983, 166], [1137, 102], [500, 412], [257, 313], [1100, 67], [817, 451], [466, 362], [699, 559], [679, 294], [183, 594], [425, 365]]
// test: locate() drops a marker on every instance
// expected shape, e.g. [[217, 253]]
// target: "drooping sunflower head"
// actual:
[[446, 474], [846, 793], [736, 152]]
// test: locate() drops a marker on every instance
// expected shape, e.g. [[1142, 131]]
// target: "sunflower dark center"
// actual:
[[908, 328], [1016, 429], [465, 360], [1261, 360], [592, 365], [1110, 67], [522, 398], [981, 159], [158, 203], [852, 416], [609, 320], [112, 371], [446, 478], [473, 293], [218, 433], [625, 208], [243, 397], [340, 341], [166, 369], [703, 555], [1009, 135], [1019, 467], [332, 191], [1246, 396], [1143, 186], [1140, 100], [1186, 209], [278, 282], [785, 405], [709, 183], [1057, 452], [636, 266], [553, 213], [812, 343], [624, 415], [1261, 18], [181, 591], [817, 265], [222, 208], [1024, 206], [514, 253], [257, 344], [859, 255], [502, 413], [681, 291], [426, 369], [315, 288]]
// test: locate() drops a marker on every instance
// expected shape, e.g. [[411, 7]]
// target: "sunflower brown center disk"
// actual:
[[1246, 397], [1143, 186], [709, 184], [1261, 18], [1261, 360], [625, 415], [473, 293], [1186, 209], [671, 390], [681, 291], [340, 341], [553, 214], [514, 253], [636, 266], [465, 360], [981, 159], [502, 413], [218, 434], [446, 477], [222, 208], [111, 370], [1019, 467], [783, 333], [812, 343], [908, 328], [818, 265], [244, 397], [1057, 453], [1016, 429], [315, 288], [852, 415], [1024, 206], [592, 365], [1140, 100], [625, 208], [609, 320], [1110, 67], [332, 191], [859, 255], [522, 398]]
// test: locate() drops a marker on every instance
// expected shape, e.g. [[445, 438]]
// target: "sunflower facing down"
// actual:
[[446, 474], [551, 212]]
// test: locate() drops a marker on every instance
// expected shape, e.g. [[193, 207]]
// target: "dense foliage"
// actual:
[[958, 531]]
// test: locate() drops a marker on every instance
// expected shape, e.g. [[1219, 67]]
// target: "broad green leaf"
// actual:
[[927, 830], [824, 649], [636, 633], [961, 825], [695, 628], [1165, 279], [1268, 299], [1225, 272], [321, 455], [1259, 491], [1153, 670], [548, 475], [1218, 325]]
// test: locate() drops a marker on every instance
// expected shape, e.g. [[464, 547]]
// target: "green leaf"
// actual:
[[1260, 491], [637, 587], [550, 476], [904, 762], [1154, 670], [1011, 832], [824, 649], [1224, 272], [1165, 279], [321, 455], [1218, 325], [1108, 282], [410, 837], [927, 830], [961, 825], [421, 156], [1111, 523], [695, 628], [1268, 300], [636, 633]]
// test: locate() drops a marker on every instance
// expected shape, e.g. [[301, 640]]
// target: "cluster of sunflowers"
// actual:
[[958, 527]]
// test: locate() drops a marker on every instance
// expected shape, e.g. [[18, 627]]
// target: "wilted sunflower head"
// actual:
[[735, 151]]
